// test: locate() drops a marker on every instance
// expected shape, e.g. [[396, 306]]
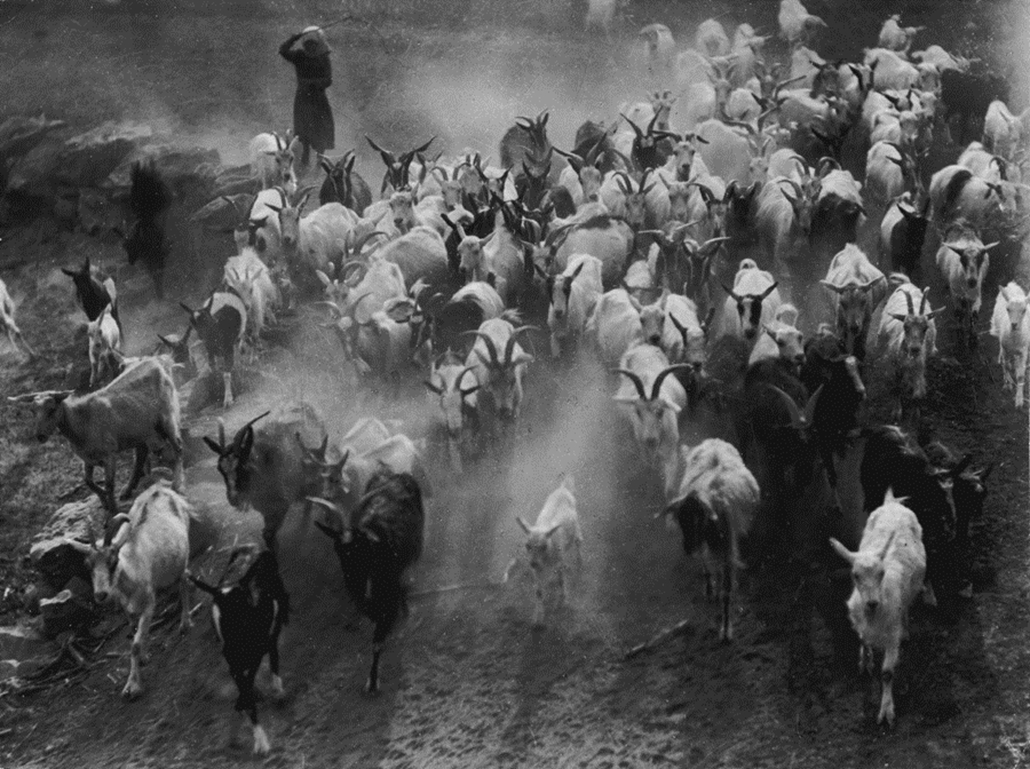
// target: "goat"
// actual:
[[344, 185], [1004, 132], [987, 166], [248, 618], [572, 296], [500, 377], [963, 260], [271, 160], [421, 255], [248, 277], [450, 382], [614, 326], [909, 337], [138, 410], [652, 402], [378, 542], [751, 303], [781, 338], [10, 325], [797, 25], [858, 288], [446, 320], [955, 194], [888, 570], [148, 550], [782, 219], [902, 233], [315, 241], [1010, 324], [895, 37], [264, 469], [220, 323], [550, 541], [92, 294], [398, 167], [714, 499], [105, 342]]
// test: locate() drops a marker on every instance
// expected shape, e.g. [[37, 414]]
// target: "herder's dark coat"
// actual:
[[312, 117]]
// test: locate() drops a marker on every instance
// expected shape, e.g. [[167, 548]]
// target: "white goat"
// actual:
[[1005, 132], [683, 335], [550, 541], [963, 260], [888, 570], [271, 160], [1010, 324], [138, 410], [451, 383], [652, 400], [250, 279], [8, 324], [573, 295], [614, 326], [895, 37], [780, 339], [499, 363], [797, 25], [711, 38], [149, 552], [751, 304], [858, 288], [105, 342], [908, 337], [713, 497]]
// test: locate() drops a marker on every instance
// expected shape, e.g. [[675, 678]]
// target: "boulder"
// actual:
[[67, 610], [50, 552], [191, 172], [24, 650], [96, 212], [19, 134], [84, 160], [220, 214]]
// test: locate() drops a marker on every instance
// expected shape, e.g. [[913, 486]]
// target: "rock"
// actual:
[[65, 611], [21, 642], [191, 172], [19, 134], [235, 182], [55, 559], [96, 212], [220, 215], [84, 160]]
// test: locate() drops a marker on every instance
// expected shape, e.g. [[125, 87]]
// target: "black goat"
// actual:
[[893, 459], [382, 538], [248, 618], [220, 324], [92, 295], [907, 238], [397, 168], [968, 95], [344, 185], [149, 200]]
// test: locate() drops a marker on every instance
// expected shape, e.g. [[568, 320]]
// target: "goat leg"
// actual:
[[92, 486], [142, 452], [890, 660], [138, 655], [726, 628], [185, 623]]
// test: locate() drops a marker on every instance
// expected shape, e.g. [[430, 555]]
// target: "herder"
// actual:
[[312, 116]]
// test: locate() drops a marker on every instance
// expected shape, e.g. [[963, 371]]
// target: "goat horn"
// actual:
[[491, 348], [509, 347], [908, 300], [922, 302], [798, 420], [636, 381], [657, 386]]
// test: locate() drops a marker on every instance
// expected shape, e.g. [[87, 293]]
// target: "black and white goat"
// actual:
[[220, 323], [92, 294], [248, 618]]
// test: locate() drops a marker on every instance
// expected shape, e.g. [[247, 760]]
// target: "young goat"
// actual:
[[148, 551], [1010, 324], [381, 539], [248, 618], [105, 345], [555, 533], [888, 571]]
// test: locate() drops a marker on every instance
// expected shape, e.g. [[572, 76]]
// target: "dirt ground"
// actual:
[[467, 680]]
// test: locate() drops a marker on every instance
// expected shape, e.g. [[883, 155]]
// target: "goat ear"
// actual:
[[69, 273], [842, 551], [525, 526], [432, 387], [331, 533], [213, 446]]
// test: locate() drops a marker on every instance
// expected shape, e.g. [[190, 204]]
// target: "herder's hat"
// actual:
[[317, 36]]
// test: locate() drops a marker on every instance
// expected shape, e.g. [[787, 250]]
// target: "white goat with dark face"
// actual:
[[271, 160], [1010, 324], [963, 260], [888, 571], [550, 541], [573, 295], [909, 337], [751, 303], [858, 288]]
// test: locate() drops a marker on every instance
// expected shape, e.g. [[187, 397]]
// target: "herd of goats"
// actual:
[[675, 246]]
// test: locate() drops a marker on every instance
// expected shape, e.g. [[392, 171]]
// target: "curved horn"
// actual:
[[656, 387], [797, 419], [491, 348], [636, 381], [509, 347]]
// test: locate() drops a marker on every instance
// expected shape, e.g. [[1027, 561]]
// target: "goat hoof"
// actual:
[[261, 744], [277, 687], [132, 691], [371, 687]]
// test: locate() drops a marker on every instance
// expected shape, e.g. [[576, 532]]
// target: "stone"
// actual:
[[34, 593], [19, 134], [50, 552], [65, 611], [220, 215], [96, 213], [21, 642]]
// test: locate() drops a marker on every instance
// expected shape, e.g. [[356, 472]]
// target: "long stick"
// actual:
[[658, 639]]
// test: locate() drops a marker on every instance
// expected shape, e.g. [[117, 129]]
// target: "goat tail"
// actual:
[[149, 194], [513, 316]]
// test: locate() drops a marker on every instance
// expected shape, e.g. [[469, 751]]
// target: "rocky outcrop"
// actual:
[[56, 560]]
